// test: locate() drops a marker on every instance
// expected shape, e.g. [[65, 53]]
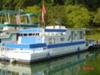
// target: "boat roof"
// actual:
[[20, 25], [10, 12], [29, 14], [14, 12], [37, 30]]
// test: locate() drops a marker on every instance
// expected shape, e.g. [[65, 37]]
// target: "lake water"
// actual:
[[67, 65]]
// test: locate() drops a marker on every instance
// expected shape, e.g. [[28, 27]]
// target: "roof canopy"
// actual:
[[6, 12], [14, 12], [36, 30]]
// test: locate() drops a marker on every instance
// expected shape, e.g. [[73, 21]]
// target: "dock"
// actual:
[[95, 47]]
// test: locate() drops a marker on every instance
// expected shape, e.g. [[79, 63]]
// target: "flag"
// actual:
[[43, 12], [18, 20]]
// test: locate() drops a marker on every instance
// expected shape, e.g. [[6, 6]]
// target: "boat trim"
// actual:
[[66, 44], [42, 45], [55, 30]]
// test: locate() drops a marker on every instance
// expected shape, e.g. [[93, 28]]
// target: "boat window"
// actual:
[[30, 34], [18, 34], [6, 72], [24, 34], [72, 37], [81, 35], [33, 34], [37, 34], [62, 34], [25, 74], [21, 34], [50, 41], [0, 40], [62, 39]]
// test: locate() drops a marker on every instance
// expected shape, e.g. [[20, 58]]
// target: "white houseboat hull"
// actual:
[[40, 43], [35, 55]]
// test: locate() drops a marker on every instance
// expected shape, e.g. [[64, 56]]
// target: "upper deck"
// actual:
[[10, 18]]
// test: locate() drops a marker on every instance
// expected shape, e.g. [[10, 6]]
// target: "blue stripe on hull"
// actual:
[[25, 46], [42, 45], [55, 30], [65, 44]]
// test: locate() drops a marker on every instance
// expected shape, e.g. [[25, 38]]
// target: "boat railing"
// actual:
[[91, 42], [7, 36], [2, 48]]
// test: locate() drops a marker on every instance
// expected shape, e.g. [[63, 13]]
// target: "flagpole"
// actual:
[[44, 16], [43, 13]]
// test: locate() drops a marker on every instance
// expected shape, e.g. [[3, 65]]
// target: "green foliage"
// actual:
[[11, 4], [34, 9], [72, 13], [72, 16], [77, 16], [97, 17], [54, 14]]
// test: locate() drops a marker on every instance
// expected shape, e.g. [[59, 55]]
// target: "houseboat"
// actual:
[[42, 43]]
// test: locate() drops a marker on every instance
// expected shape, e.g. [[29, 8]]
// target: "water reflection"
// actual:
[[63, 66]]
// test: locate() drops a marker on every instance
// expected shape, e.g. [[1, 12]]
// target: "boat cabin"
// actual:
[[29, 36], [43, 37]]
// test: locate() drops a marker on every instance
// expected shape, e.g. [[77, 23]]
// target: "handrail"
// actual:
[[18, 25], [10, 36]]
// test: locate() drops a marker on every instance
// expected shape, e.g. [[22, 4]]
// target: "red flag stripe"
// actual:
[[43, 12]]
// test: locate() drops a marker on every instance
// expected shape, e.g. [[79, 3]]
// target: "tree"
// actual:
[[36, 10], [54, 14], [11, 4], [71, 16], [77, 16], [96, 19]]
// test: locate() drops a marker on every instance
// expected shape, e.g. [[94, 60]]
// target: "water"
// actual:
[[68, 65]]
